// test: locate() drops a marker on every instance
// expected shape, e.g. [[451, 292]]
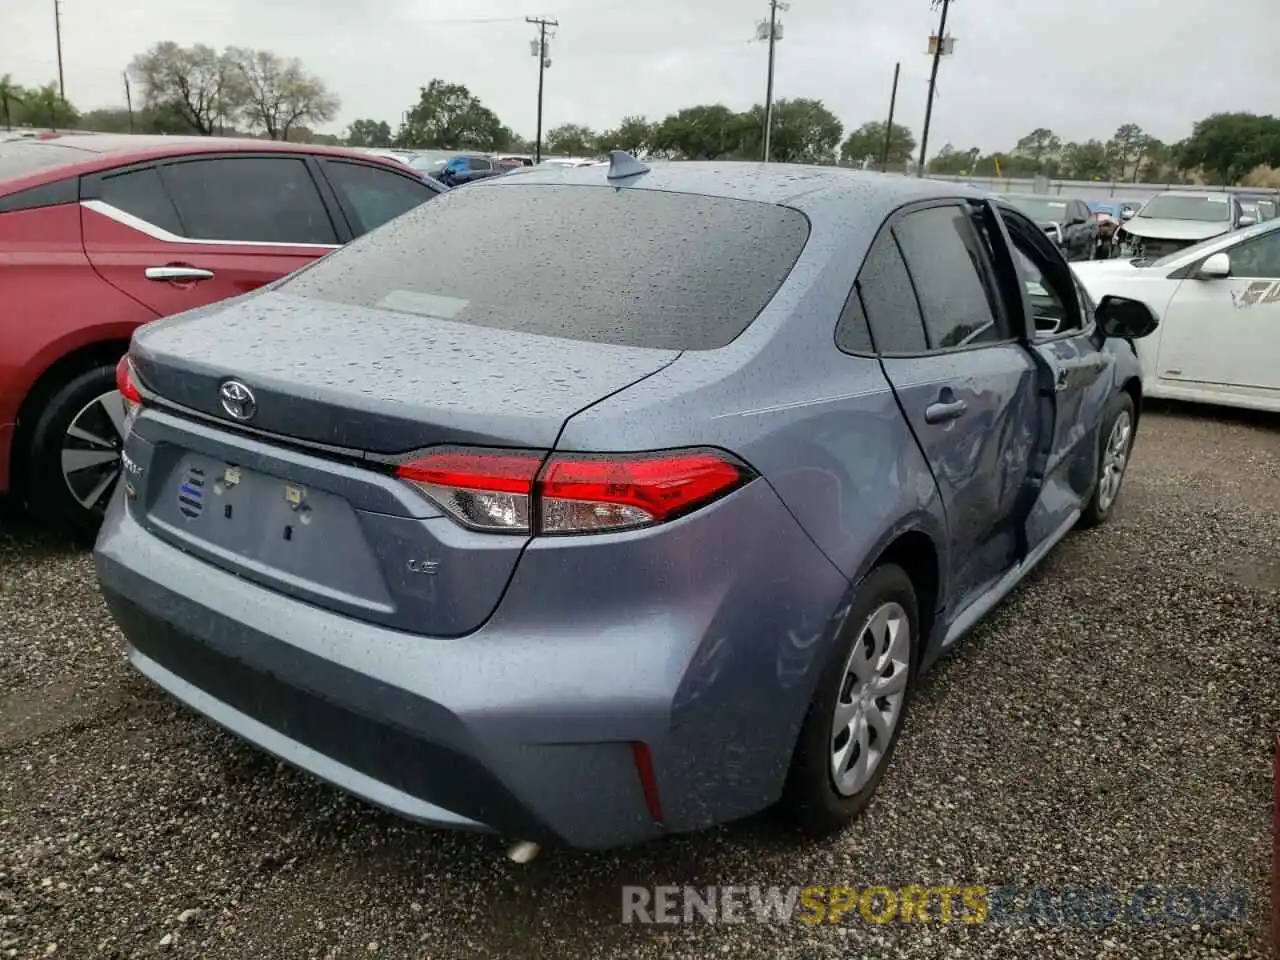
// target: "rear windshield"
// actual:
[[21, 157], [639, 268]]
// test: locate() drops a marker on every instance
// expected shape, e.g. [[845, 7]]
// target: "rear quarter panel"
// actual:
[[51, 304]]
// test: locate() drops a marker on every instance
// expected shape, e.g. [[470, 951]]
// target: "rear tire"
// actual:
[[1119, 429], [73, 454], [813, 798]]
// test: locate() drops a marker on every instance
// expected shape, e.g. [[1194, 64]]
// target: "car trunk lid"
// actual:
[[335, 527]]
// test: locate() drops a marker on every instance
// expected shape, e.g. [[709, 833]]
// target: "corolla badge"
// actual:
[[237, 400]]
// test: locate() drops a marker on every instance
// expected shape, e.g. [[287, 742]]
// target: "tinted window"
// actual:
[[375, 196], [1258, 259], [639, 268], [945, 261], [479, 163], [142, 194], [853, 335], [890, 301], [255, 199]]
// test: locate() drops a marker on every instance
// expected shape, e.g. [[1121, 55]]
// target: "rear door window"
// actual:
[[140, 193], [945, 259], [889, 300], [642, 268], [249, 199], [374, 195]]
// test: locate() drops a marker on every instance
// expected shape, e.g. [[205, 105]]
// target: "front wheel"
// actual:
[[858, 708], [1119, 428], [73, 458]]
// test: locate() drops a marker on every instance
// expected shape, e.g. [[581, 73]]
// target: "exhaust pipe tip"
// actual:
[[525, 851]]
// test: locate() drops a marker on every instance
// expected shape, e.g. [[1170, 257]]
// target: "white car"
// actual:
[[1219, 307]]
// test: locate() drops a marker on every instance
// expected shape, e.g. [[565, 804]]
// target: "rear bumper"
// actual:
[[526, 726]]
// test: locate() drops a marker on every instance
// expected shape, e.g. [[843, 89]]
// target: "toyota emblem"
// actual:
[[237, 400]]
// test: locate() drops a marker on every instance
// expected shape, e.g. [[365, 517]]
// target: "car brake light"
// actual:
[[482, 489], [124, 383], [601, 493], [516, 492]]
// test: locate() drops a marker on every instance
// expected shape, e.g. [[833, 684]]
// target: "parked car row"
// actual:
[[1218, 301], [99, 234]]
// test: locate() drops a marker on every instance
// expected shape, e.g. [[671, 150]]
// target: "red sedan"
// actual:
[[101, 233]]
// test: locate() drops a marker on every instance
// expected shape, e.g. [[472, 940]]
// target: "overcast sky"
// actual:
[[1080, 67]]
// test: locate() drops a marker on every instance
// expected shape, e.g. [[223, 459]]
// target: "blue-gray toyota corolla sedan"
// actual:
[[639, 511]]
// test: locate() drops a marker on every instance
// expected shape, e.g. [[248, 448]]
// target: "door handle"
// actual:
[[178, 274], [941, 411]]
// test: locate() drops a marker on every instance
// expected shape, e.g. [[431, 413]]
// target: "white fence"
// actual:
[[1093, 190]]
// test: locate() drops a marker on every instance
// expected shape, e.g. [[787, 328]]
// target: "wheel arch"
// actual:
[[64, 367], [917, 554]]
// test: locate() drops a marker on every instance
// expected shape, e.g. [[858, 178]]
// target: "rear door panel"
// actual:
[[130, 224], [968, 392]]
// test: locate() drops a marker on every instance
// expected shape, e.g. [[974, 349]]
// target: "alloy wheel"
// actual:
[[1115, 457], [872, 691], [91, 451]]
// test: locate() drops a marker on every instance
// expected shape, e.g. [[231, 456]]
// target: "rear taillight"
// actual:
[[521, 492], [124, 383]]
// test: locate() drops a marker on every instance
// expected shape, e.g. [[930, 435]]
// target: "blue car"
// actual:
[[591, 542]]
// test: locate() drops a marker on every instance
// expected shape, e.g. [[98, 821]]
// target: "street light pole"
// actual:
[[773, 36], [888, 127], [939, 44], [539, 49], [57, 32]]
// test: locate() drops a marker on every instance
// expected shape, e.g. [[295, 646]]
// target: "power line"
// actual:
[[770, 30], [540, 50]]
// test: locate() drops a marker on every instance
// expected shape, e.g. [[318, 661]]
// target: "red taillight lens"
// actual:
[[513, 492], [586, 494], [124, 382], [483, 489]]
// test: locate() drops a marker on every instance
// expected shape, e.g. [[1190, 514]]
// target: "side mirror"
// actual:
[[1127, 214], [1247, 221], [1125, 319], [1216, 267]]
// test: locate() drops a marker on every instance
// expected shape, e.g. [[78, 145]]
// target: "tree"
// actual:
[[1127, 149], [1039, 145], [952, 162], [865, 145], [369, 133], [10, 96], [804, 131], [1086, 161], [448, 116], [194, 83], [45, 107], [571, 140], [705, 132], [633, 134], [278, 94], [1229, 145]]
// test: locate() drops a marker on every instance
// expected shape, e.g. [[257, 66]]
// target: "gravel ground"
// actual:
[[1112, 724]]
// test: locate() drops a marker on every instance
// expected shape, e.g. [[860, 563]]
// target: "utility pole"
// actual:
[[888, 127], [57, 32], [128, 99], [539, 49], [770, 30], [940, 43]]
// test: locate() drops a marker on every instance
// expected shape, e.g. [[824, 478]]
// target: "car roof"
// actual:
[[88, 153], [805, 187]]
